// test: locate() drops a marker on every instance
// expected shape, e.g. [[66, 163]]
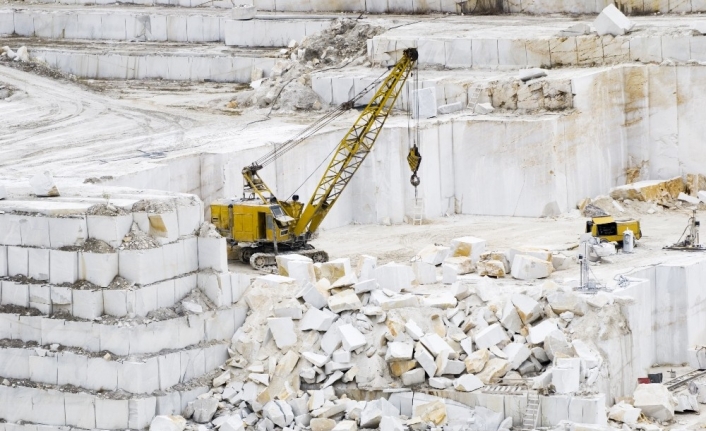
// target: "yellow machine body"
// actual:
[[609, 229], [251, 221]]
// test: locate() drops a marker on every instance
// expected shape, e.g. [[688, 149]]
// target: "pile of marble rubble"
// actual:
[[316, 331]]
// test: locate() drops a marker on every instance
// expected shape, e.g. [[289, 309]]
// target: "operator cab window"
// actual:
[[277, 211]]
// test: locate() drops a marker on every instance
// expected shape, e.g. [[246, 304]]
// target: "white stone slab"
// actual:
[[97, 268]]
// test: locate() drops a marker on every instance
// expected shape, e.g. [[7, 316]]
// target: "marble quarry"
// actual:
[[121, 122]]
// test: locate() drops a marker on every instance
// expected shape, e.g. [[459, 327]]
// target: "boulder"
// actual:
[[510, 318], [391, 423], [322, 424], [394, 276], [516, 353], [531, 73], [413, 377], [398, 368], [655, 401], [483, 108], [282, 329]]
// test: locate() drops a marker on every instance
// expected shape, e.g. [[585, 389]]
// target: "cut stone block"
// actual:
[[38, 267], [491, 268], [394, 276], [97, 268], [468, 246], [366, 286], [282, 329], [424, 103], [366, 267], [424, 273], [351, 338], [335, 269], [530, 268], [612, 21], [655, 401], [413, 377], [312, 296], [433, 254], [517, 353], [345, 300], [284, 260], [494, 369], [43, 185], [483, 108], [528, 309], [490, 336], [455, 266], [625, 413], [317, 320], [398, 351], [450, 108], [426, 360], [434, 411], [651, 190], [111, 229], [511, 319], [63, 266], [398, 368], [468, 383], [539, 332], [17, 261], [475, 362], [435, 344], [413, 330], [561, 302], [213, 254], [566, 375]]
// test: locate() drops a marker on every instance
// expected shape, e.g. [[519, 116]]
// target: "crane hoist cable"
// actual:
[[414, 158], [319, 124]]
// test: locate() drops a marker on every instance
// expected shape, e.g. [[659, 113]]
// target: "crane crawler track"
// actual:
[[268, 261]]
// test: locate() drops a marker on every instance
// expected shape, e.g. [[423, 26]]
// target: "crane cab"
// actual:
[[251, 221]]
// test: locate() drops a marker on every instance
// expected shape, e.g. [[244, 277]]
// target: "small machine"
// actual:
[[689, 239], [608, 229]]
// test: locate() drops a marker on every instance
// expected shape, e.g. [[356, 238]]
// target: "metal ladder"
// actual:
[[418, 212], [529, 419], [475, 95]]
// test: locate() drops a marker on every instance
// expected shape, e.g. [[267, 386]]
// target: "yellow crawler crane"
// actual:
[[259, 226]]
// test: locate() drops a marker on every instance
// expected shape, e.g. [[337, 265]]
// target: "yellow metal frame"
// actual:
[[355, 146]]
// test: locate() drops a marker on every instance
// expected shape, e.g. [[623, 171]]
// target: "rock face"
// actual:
[[655, 401]]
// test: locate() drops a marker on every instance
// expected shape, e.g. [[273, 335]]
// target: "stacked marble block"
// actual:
[[544, 50], [61, 315], [452, 87]]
